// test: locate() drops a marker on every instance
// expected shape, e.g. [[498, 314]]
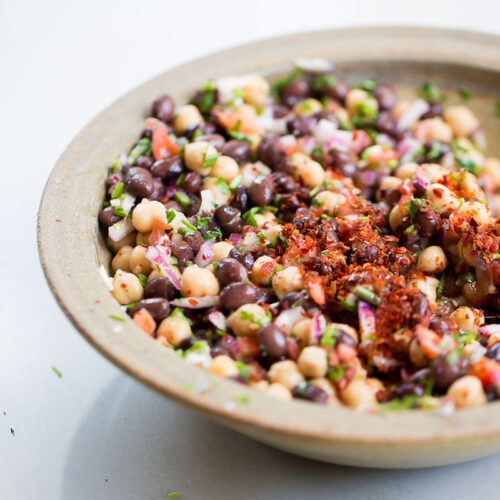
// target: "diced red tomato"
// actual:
[[486, 370], [145, 321], [316, 289], [248, 346], [293, 347]]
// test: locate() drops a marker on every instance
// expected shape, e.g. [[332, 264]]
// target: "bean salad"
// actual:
[[314, 239]]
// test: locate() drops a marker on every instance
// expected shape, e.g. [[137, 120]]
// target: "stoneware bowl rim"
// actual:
[[70, 253]]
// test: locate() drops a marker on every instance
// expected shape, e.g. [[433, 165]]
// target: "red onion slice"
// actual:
[[115, 179], [366, 317], [158, 255], [204, 256], [234, 239], [170, 189], [196, 302], [218, 320], [316, 330], [288, 318], [411, 115]]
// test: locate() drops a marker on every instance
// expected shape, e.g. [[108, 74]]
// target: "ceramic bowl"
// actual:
[[71, 248]]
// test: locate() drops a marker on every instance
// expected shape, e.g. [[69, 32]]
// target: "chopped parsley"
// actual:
[[189, 230], [179, 313], [241, 398], [497, 109], [202, 222], [118, 318], [208, 97], [212, 233], [171, 215], [182, 199], [243, 368], [430, 92], [329, 337], [142, 148], [335, 373], [236, 182], [366, 294], [369, 84], [439, 290], [281, 84], [173, 494], [143, 279], [209, 161], [117, 191], [465, 93], [239, 136], [57, 372], [413, 205], [245, 315], [222, 186], [463, 160], [323, 81], [12, 431], [178, 182]]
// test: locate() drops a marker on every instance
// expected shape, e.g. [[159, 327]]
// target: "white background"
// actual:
[[95, 433]]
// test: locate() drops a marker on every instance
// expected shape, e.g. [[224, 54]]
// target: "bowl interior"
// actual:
[[72, 249]]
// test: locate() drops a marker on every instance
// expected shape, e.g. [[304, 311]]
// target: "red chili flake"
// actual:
[[58, 220], [193, 302]]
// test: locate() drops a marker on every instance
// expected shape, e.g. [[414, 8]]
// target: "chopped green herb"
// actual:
[[369, 84], [329, 337], [207, 100], [117, 191], [178, 182], [243, 368], [335, 373], [464, 161], [439, 290], [250, 216], [57, 372], [281, 84], [142, 148], [12, 431], [179, 313], [413, 205], [430, 92], [171, 215], [223, 186], [209, 161], [497, 109], [323, 81], [467, 277], [189, 226], [463, 337], [212, 233], [410, 402], [182, 199], [245, 315], [239, 136], [202, 222], [366, 294], [173, 494], [495, 256], [241, 398], [118, 318], [348, 306], [454, 355], [143, 279], [435, 152], [465, 93], [235, 182]]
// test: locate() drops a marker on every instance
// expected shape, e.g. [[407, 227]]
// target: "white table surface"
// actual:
[[96, 433]]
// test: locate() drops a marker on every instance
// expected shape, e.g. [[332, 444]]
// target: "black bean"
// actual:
[[168, 168], [391, 195], [297, 90], [284, 183], [426, 221], [239, 150], [229, 270], [107, 217], [419, 190], [385, 96], [386, 123], [241, 200], [173, 205], [144, 162], [261, 191], [194, 206], [326, 115], [160, 287], [450, 286], [163, 108], [445, 371], [422, 377], [310, 392], [408, 389], [420, 307], [158, 307], [265, 295], [216, 140], [494, 352], [435, 109], [445, 308], [182, 252], [269, 150], [335, 88], [300, 125], [243, 256], [279, 111], [191, 183], [440, 325], [139, 182], [225, 345], [236, 295], [205, 128], [272, 341], [229, 219], [195, 241]]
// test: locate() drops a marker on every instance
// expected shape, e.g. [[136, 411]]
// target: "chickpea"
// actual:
[[211, 183], [245, 321], [417, 355], [128, 240], [122, 259], [262, 270], [492, 170], [428, 286], [307, 107], [406, 170], [439, 130], [354, 98], [327, 386], [390, 182], [302, 331], [432, 260], [470, 186], [279, 391], [288, 280], [468, 318], [154, 274], [396, 215], [224, 366], [146, 213], [186, 117], [467, 392], [226, 168], [266, 218], [261, 385], [442, 198], [273, 232], [255, 90], [461, 119], [313, 362], [480, 212], [196, 153], [174, 329], [328, 200], [432, 171], [250, 171], [221, 250], [347, 329], [126, 288], [310, 172], [286, 373], [400, 108], [198, 282], [359, 394], [139, 264]]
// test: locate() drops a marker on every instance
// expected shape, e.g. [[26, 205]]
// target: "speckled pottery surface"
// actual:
[[71, 248]]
